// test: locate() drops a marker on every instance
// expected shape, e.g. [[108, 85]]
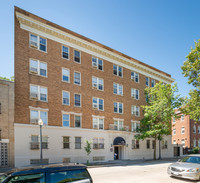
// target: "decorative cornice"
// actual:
[[50, 32]]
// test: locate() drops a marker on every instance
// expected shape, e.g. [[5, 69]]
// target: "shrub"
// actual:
[[195, 150]]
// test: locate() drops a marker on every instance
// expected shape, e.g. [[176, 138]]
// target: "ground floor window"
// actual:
[[77, 142], [135, 144]]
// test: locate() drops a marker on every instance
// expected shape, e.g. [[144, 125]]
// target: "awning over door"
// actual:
[[119, 141]]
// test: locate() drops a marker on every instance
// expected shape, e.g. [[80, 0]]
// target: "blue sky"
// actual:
[[157, 32]]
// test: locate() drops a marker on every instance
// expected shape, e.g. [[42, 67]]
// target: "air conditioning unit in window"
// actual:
[[34, 96], [33, 70], [33, 44], [94, 85], [95, 106], [95, 126], [94, 64], [34, 121]]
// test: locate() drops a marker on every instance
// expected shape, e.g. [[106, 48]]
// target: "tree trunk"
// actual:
[[155, 149]]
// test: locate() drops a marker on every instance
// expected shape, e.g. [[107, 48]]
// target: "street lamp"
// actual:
[[40, 122]]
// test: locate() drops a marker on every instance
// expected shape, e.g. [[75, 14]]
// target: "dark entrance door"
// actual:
[[116, 153], [176, 151]]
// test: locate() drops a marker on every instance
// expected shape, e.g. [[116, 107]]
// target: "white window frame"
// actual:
[[38, 42], [74, 56], [75, 99], [98, 122], [182, 117], [133, 93], [153, 82], [134, 126], [98, 83], [182, 130], [118, 108], [133, 78], [62, 97], [38, 67], [174, 120], [147, 84], [65, 52], [119, 127], [135, 110], [97, 63], [64, 113], [118, 90], [194, 129], [38, 93], [74, 78], [39, 110], [183, 142], [80, 121], [118, 70], [174, 131], [65, 75], [97, 107]]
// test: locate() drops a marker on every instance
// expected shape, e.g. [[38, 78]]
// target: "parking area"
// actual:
[[131, 171]]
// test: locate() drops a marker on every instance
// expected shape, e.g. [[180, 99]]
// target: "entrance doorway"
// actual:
[[116, 153]]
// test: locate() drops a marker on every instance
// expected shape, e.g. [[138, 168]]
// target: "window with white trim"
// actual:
[[66, 142], [77, 78], [174, 141], [98, 143], [97, 83], [38, 93], [66, 120], [98, 103], [36, 115], [117, 70], [118, 125], [77, 56], [118, 107], [66, 97], [117, 89], [135, 144], [77, 100], [65, 52], [183, 142], [182, 117], [97, 63], [135, 77], [77, 142], [153, 82], [148, 144], [35, 142], [135, 110], [77, 121], [38, 67], [98, 123], [38, 42], [135, 93], [147, 81], [174, 120], [135, 125], [174, 131], [182, 130], [194, 129], [65, 75]]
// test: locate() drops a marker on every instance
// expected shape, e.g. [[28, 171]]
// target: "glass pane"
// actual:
[[33, 38], [42, 47], [115, 107], [34, 65], [34, 89], [43, 116], [34, 115]]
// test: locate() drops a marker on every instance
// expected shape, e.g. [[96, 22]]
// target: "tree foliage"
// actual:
[[191, 70], [158, 112], [88, 149], [5, 78]]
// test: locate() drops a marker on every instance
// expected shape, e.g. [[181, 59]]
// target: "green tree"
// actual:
[[88, 149], [159, 111], [5, 78], [191, 70]]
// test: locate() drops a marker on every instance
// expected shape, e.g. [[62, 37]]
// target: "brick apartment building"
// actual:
[[81, 90], [186, 132], [6, 123]]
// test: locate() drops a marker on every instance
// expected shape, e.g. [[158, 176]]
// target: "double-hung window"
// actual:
[[77, 142], [77, 78], [66, 120], [147, 81], [135, 125], [174, 131], [77, 56], [182, 117], [148, 144], [98, 143], [66, 142], [117, 89], [77, 100], [98, 123], [65, 52], [37, 67], [119, 125], [97, 83], [118, 107], [135, 110], [135, 93], [77, 121], [36, 114], [38, 93], [66, 98], [153, 83], [98, 103], [117, 70], [135, 144], [38, 42], [97, 63], [135, 77], [65, 75], [182, 130], [194, 129]]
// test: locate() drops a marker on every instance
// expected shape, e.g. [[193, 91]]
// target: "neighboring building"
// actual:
[[6, 123], [80, 89], [186, 132]]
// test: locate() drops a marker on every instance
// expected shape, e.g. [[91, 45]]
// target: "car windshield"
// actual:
[[191, 159]]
